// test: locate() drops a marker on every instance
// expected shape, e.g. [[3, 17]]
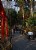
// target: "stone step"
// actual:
[[0, 29], [0, 35], [0, 25], [0, 20]]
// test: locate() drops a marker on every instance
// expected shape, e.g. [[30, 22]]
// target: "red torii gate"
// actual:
[[3, 23]]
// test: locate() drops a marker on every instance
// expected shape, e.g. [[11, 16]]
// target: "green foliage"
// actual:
[[26, 9], [20, 14], [31, 21], [20, 2], [12, 16], [23, 23]]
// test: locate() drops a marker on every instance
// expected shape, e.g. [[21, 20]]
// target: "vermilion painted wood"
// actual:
[[4, 20]]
